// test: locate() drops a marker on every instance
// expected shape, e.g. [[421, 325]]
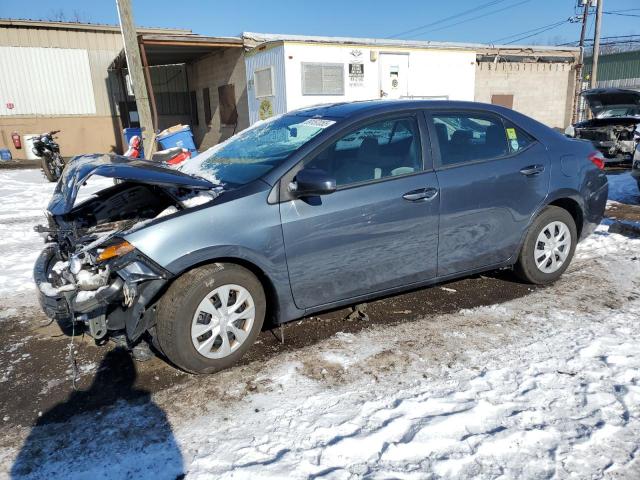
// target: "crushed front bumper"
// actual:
[[120, 304]]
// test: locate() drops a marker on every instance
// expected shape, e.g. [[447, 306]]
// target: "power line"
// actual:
[[476, 17], [621, 14], [528, 31], [551, 27], [446, 19]]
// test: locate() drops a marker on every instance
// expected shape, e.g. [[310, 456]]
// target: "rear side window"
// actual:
[[468, 137]]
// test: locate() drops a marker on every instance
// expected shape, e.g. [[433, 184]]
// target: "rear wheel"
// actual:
[[548, 247], [210, 317]]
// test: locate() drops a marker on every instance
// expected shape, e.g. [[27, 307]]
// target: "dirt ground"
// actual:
[[42, 371]]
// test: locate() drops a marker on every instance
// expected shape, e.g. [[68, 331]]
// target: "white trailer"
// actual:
[[287, 72]]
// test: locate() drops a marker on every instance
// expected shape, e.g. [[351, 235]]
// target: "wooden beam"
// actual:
[[147, 78], [134, 64]]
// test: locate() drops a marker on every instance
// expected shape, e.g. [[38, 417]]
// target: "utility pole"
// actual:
[[596, 45], [579, 67], [134, 64]]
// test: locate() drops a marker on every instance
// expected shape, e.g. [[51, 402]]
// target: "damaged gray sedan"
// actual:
[[309, 211]]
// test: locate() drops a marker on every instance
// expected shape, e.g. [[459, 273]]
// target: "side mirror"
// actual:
[[310, 182]]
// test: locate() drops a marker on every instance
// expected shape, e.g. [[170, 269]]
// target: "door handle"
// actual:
[[421, 194], [532, 170]]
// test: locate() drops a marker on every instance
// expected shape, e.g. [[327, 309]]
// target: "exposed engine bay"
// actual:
[[88, 273], [614, 128], [617, 141]]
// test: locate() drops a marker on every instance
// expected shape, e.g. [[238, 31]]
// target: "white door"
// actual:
[[394, 75]]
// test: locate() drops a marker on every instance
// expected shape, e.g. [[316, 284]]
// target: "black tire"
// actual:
[[526, 267], [49, 169], [178, 306]]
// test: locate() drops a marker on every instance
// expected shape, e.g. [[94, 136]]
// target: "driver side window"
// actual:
[[379, 150]]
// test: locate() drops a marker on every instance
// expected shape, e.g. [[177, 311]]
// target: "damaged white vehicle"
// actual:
[[614, 127], [86, 264]]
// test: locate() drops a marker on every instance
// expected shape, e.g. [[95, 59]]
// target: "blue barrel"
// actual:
[[131, 132], [5, 154], [182, 138]]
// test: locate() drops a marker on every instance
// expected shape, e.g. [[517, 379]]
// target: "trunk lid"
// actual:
[[80, 169]]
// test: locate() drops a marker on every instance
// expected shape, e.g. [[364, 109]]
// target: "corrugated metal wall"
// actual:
[[615, 67], [45, 81], [101, 47], [272, 57]]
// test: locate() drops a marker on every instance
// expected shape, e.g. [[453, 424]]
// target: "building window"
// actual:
[[323, 79], [207, 105], [263, 81], [227, 103], [194, 107]]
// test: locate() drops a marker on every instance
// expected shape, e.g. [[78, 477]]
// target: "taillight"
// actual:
[[598, 159]]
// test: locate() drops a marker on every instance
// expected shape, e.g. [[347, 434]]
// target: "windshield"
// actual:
[[256, 150], [620, 111]]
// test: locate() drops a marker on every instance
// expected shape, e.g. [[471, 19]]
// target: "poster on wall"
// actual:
[[356, 69]]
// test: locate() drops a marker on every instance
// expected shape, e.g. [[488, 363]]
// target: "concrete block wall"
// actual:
[[543, 91], [220, 68]]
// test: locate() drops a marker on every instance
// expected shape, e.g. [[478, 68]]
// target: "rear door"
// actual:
[[493, 176], [379, 229]]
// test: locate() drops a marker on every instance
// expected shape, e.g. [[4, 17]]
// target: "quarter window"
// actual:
[[322, 79], [466, 138], [518, 139], [379, 150]]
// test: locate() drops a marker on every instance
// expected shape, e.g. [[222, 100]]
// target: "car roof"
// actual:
[[362, 107]]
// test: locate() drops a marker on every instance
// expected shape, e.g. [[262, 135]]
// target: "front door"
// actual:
[[493, 176], [379, 230], [394, 75]]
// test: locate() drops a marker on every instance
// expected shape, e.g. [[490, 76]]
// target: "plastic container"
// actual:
[[181, 137], [131, 132], [5, 154]]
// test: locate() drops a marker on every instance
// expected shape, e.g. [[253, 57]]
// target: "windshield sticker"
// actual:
[[511, 134], [318, 123], [515, 145]]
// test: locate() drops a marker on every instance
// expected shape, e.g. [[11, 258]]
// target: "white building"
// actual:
[[286, 72]]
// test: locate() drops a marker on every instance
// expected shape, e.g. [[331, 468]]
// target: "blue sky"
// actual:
[[360, 18]]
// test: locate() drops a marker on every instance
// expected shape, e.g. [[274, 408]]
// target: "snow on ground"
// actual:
[[24, 195], [546, 386]]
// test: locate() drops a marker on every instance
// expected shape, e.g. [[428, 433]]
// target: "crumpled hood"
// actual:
[[81, 168], [600, 99]]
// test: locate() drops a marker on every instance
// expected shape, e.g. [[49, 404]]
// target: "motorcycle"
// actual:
[[171, 156], [45, 148]]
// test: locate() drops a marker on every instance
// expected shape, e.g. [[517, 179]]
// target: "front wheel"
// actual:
[[210, 317], [548, 247], [50, 168]]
